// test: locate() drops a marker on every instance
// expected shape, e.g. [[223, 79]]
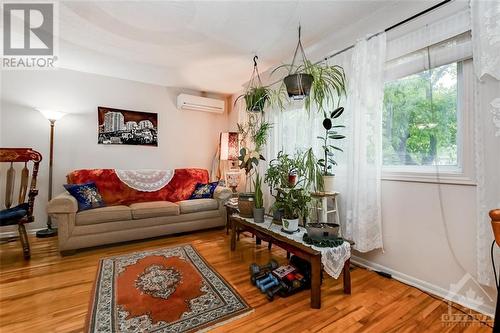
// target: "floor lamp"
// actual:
[[52, 116]]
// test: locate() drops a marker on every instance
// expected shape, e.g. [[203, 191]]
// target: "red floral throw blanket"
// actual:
[[115, 192]]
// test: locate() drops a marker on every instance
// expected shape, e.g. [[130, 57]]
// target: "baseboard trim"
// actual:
[[8, 234], [426, 287]]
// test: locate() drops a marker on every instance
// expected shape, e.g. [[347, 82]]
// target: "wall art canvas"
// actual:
[[127, 127]]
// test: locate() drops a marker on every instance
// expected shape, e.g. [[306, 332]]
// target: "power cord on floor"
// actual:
[[389, 276], [497, 283]]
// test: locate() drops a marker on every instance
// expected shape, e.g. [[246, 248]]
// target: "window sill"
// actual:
[[449, 178]]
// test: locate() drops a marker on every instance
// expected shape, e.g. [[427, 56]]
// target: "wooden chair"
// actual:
[[23, 212]]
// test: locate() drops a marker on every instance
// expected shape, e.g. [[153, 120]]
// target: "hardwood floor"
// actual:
[[51, 293]]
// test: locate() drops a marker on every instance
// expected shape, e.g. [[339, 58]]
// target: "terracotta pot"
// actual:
[[292, 179], [246, 204], [329, 184], [495, 224], [298, 86]]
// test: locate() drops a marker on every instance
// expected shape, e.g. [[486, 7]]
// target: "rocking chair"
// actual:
[[23, 212]]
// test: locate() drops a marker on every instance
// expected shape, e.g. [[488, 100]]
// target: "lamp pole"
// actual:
[[51, 116]]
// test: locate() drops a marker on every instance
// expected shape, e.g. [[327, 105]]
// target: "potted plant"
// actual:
[[256, 98], [279, 171], [307, 177], [256, 95], [249, 159], [327, 162], [318, 84], [258, 209], [294, 204]]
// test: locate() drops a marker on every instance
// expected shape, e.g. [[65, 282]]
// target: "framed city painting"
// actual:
[[124, 127]]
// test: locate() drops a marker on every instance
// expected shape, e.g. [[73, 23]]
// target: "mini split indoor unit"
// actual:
[[197, 103]]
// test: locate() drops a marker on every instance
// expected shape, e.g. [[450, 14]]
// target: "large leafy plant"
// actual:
[[328, 161], [258, 134], [279, 169], [293, 198]]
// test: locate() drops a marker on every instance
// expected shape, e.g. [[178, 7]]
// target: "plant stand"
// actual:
[[323, 210]]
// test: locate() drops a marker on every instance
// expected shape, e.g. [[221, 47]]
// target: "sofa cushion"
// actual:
[[144, 210], [87, 195], [197, 205], [102, 215]]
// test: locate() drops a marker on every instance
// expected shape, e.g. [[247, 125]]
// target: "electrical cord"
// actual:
[[497, 283]]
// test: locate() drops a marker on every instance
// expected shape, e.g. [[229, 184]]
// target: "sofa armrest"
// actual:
[[222, 193], [64, 203]]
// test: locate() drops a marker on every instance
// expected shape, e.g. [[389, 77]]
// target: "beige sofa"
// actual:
[[115, 224]]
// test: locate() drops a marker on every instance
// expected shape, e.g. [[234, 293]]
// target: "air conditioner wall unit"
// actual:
[[198, 103]]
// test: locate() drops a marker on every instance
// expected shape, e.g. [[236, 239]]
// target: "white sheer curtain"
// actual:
[[485, 16], [358, 175], [358, 172], [486, 45]]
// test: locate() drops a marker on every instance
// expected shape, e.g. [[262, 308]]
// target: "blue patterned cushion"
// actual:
[[13, 214], [204, 191], [87, 195]]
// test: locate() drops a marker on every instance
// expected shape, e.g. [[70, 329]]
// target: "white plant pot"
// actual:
[[329, 184], [290, 225]]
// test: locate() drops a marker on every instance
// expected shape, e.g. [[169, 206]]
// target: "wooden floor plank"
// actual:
[[51, 293]]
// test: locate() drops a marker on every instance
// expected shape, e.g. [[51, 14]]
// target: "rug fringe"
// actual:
[[206, 329]]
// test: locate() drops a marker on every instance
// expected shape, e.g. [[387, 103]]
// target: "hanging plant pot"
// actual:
[[256, 98], [298, 86], [256, 95]]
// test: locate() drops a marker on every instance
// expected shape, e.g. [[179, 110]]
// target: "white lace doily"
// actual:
[[145, 180], [332, 258]]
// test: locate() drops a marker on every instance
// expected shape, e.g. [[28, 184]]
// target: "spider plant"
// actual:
[[328, 84]]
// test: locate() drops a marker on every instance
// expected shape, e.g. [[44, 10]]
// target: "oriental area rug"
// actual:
[[166, 290]]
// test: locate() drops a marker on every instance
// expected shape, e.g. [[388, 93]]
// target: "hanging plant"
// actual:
[[256, 95], [318, 84]]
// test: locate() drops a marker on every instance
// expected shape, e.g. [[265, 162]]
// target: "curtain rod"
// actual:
[[411, 18]]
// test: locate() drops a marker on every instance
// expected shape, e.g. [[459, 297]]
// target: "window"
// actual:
[[424, 141], [420, 119]]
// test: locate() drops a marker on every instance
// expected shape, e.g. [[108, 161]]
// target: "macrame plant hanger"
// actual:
[[298, 82], [297, 48], [255, 80]]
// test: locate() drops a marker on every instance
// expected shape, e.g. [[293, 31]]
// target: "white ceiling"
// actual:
[[202, 45]]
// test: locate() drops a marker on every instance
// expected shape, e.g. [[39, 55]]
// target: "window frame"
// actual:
[[463, 173]]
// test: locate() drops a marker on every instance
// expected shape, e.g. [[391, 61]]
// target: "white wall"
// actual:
[[416, 248], [186, 138]]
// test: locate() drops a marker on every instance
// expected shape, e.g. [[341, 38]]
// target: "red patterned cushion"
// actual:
[[115, 192]]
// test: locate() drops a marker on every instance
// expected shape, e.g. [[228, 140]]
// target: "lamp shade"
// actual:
[[51, 114], [233, 178], [228, 146]]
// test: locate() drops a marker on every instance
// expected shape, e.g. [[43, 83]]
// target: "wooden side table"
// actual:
[[305, 252], [231, 209]]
